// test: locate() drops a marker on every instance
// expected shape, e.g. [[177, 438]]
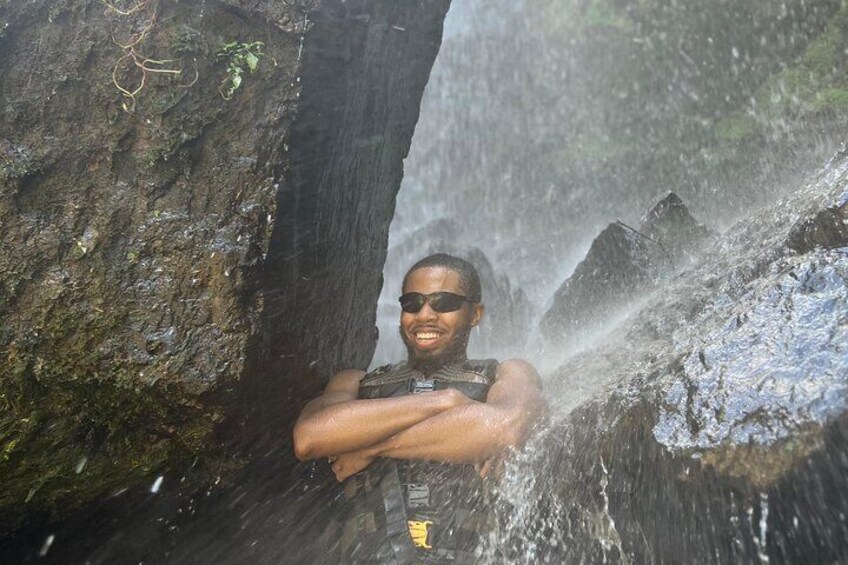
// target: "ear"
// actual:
[[477, 312]]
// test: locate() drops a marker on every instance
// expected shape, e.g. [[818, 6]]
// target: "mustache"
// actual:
[[428, 360]]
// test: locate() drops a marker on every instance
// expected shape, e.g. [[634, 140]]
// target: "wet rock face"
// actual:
[[616, 268], [142, 211], [621, 264], [132, 241], [670, 224], [362, 85], [773, 364], [829, 228], [714, 427]]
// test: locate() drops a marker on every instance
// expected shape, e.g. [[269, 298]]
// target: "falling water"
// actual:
[[545, 121]]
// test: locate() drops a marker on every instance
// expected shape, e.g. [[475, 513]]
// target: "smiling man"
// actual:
[[414, 442]]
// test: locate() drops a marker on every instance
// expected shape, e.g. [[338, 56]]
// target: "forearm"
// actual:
[[466, 434], [353, 425]]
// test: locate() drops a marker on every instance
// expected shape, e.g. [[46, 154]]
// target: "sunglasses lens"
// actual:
[[443, 302], [412, 302], [440, 302]]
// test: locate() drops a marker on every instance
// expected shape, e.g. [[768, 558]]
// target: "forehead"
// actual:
[[433, 279]]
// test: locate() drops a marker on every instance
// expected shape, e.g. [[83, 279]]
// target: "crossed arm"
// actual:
[[442, 425]]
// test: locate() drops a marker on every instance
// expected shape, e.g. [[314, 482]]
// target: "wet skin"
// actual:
[[431, 335], [442, 425]]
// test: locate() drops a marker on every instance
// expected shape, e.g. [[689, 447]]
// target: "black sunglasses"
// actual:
[[440, 302]]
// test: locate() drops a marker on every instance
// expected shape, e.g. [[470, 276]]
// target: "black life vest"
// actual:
[[405, 512]]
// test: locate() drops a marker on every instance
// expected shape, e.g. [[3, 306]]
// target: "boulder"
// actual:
[[672, 227], [168, 230], [621, 265], [828, 228], [712, 425]]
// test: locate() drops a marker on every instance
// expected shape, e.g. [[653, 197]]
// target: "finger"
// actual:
[[485, 468]]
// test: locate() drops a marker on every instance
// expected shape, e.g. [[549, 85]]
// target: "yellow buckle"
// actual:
[[420, 530]]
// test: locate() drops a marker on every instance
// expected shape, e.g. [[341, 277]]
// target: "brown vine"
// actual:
[[132, 58]]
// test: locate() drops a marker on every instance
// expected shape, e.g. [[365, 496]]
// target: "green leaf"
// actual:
[[251, 60]]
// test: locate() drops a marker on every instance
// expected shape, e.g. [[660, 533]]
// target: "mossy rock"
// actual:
[[738, 127], [72, 433], [832, 99]]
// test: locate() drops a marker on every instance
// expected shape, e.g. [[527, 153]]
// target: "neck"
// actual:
[[430, 365]]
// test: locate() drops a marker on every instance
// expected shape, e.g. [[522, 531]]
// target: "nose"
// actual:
[[426, 313]]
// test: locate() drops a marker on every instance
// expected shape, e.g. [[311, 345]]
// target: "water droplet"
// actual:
[[46, 546]]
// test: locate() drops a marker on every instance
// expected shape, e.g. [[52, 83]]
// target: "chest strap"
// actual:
[[397, 526]]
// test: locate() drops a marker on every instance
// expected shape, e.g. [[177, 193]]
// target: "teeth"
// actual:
[[427, 335]]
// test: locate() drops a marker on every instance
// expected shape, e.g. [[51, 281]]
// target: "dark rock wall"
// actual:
[[361, 93], [132, 242], [138, 208]]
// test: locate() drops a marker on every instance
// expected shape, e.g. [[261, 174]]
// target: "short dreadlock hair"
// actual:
[[468, 276]]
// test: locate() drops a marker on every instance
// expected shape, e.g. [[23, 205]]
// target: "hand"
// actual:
[[348, 464], [483, 468]]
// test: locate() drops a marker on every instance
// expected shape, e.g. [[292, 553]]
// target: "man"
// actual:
[[414, 441]]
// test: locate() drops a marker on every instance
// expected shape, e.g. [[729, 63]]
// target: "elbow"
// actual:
[[304, 448], [518, 425], [511, 439], [514, 433], [302, 453]]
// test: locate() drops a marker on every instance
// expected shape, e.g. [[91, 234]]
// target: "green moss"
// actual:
[[737, 127], [123, 435], [63, 405], [187, 41], [601, 13], [822, 56], [562, 17], [814, 84], [764, 465], [832, 99]]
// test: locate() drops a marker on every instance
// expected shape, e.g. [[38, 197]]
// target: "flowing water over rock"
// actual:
[[715, 426]]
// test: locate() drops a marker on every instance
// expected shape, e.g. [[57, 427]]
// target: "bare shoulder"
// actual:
[[520, 372], [344, 386], [345, 381], [518, 388]]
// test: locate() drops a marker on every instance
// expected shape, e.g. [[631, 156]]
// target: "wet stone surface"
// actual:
[[622, 265], [779, 360], [159, 245], [711, 425]]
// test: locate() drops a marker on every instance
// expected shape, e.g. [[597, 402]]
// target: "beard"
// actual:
[[429, 361]]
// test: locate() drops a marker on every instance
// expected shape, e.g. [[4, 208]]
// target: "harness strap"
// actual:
[[397, 527]]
